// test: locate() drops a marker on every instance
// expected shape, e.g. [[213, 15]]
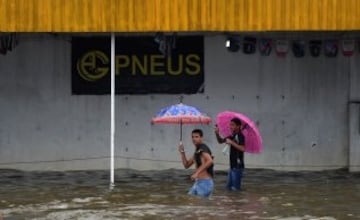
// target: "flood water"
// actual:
[[162, 195]]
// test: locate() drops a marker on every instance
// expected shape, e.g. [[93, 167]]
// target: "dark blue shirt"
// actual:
[[237, 156]]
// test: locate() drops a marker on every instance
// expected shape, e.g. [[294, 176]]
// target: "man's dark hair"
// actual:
[[198, 131], [236, 121]]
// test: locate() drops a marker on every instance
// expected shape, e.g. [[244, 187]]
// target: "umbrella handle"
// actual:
[[181, 131]]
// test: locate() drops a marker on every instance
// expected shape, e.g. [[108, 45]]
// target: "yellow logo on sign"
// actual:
[[93, 65]]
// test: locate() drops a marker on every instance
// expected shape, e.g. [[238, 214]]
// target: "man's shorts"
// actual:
[[202, 187]]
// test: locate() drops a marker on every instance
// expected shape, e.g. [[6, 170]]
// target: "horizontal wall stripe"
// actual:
[[178, 15]]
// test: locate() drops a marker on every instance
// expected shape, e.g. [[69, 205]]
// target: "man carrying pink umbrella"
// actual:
[[242, 135], [236, 142]]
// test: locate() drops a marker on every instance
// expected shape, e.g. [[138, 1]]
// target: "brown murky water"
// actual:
[[162, 195]]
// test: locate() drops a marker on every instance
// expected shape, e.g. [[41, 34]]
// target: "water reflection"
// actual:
[[162, 195]]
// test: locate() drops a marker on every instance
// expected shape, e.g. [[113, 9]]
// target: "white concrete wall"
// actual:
[[301, 106]]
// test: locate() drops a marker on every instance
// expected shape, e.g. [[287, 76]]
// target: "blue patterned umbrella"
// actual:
[[181, 114]]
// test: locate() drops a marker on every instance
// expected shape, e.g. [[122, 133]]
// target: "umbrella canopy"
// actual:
[[253, 140], [181, 114]]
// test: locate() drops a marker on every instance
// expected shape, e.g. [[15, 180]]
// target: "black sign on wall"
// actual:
[[140, 67]]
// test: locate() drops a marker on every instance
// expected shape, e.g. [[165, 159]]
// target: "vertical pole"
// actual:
[[354, 137], [112, 132]]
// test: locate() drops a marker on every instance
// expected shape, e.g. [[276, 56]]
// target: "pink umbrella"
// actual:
[[253, 141]]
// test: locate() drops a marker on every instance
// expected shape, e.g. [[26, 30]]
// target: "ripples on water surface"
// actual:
[[162, 195]]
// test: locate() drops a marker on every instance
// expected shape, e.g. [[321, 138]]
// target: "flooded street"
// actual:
[[162, 195]]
